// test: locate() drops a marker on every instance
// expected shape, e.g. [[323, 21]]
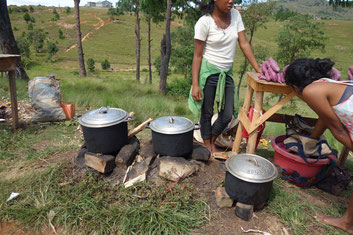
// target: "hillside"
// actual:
[[318, 8]]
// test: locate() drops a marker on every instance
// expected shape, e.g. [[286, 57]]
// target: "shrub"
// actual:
[[68, 10], [52, 49], [179, 87], [90, 65], [61, 34], [26, 17], [30, 26], [105, 64], [15, 29], [157, 64], [33, 20], [31, 9]]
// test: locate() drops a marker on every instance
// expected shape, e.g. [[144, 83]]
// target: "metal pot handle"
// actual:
[[197, 126], [221, 165], [254, 161], [130, 118]]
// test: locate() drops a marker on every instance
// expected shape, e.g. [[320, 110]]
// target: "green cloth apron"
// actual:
[[206, 70]]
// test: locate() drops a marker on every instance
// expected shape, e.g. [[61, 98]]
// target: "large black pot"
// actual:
[[105, 130], [249, 178], [172, 136]]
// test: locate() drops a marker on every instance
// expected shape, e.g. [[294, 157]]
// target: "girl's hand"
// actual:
[[196, 93]]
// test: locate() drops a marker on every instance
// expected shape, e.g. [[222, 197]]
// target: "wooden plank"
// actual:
[[257, 122], [243, 118], [14, 109], [257, 110], [264, 86], [8, 62], [284, 118], [246, 107]]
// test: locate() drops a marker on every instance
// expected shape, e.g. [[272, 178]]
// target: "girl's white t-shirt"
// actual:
[[220, 43]]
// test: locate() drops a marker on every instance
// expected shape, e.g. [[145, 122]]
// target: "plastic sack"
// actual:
[[45, 97]]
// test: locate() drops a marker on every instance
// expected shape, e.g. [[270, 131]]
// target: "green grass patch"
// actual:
[[88, 204]]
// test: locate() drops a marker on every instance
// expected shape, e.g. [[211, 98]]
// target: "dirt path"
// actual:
[[97, 26]]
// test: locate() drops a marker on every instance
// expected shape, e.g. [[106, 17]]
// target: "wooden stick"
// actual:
[[139, 128]]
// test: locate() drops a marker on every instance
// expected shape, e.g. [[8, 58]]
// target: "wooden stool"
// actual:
[[8, 64], [261, 86]]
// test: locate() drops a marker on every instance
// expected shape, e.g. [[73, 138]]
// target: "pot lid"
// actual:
[[103, 117], [172, 125], [251, 168]]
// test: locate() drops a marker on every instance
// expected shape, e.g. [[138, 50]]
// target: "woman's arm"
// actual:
[[196, 64], [316, 97], [246, 49]]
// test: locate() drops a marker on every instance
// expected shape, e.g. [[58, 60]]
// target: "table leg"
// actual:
[[246, 107], [343, 156], [14, 109], [259, 95]]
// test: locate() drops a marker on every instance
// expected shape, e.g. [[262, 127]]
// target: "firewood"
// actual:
[[101, 163], [139, 128]]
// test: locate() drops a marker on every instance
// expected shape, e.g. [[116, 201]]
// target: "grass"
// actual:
[[89, 205]]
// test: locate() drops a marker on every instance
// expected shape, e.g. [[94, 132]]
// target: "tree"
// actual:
[[31, 9], [341, 3], [166, 48], [30, 26], [91, 65], [79, 40], [68, 10], [254, 17], [52, 49], [298, 38], [105, 64], [56, 15], [27, 17], [153, 10], [8, 43], [112, 13]]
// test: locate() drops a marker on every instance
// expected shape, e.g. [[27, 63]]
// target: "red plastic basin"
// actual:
[[290, 161]]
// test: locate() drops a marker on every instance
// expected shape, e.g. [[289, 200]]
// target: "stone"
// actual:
[[127, 153], [146, 149], [244, 211], [176, 168], [101, 163], [222, 198], [139, 168], [200, 153]]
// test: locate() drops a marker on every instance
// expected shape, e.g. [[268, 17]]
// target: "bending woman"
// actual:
[[333, 103], [216, 37]]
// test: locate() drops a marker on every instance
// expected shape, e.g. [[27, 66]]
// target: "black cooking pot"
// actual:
[[172, 136], [105, 130], [249, 178]]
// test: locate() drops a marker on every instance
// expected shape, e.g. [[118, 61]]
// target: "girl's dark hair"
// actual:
[[207, 8], [303, 72]]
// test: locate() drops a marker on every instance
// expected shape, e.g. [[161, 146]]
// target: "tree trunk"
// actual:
[[165, 50], [138, 42], [81, 59], [8, 43], [149, 50]]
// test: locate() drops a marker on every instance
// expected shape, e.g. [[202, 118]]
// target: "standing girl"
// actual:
[[216, 37]]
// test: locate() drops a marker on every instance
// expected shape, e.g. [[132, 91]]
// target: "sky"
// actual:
[[57, 3]]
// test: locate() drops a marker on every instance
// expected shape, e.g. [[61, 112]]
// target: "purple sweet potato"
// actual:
[[267, 76], [350, 68], [285, 69], [273, 64], [263, 67], [350, 75], [335, 72], [281, 77], [273, 74], [262, 76]]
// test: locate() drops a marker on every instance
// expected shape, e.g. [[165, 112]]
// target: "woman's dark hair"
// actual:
[[303, 72], [207, 8]]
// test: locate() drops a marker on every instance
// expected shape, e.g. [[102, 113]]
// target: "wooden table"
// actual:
[[8, 64], [260, 87]]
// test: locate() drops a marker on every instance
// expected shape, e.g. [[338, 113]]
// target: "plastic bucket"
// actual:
[[292, 162], [69, 110]]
